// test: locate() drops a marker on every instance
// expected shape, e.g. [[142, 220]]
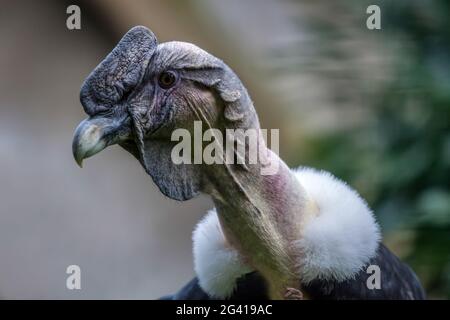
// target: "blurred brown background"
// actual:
[[313, 70]]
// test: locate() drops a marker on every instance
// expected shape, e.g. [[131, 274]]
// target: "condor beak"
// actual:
[[92, 136]]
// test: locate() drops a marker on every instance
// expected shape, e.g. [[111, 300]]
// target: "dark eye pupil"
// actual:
[[167, 79]]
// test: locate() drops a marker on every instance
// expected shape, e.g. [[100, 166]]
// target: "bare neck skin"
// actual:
[[260, 216]]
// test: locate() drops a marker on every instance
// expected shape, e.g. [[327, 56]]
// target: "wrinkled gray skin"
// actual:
[[127, 106]]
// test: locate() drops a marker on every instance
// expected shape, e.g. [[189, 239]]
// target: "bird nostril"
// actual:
[[125, 94]]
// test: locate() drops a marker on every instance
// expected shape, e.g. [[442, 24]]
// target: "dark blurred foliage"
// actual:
[[399, 160]]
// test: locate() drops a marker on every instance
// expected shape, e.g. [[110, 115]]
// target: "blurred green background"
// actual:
[[370, 106], [399, 158]]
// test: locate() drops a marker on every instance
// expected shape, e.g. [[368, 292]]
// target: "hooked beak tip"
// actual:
[[77, 155], [88, 140], [79, 162]]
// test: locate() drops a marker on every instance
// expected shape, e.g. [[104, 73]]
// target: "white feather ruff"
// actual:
[[216, 264], [343, 237], [334, 245]]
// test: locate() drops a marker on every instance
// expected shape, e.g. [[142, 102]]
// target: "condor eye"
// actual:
[[167, 79]]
